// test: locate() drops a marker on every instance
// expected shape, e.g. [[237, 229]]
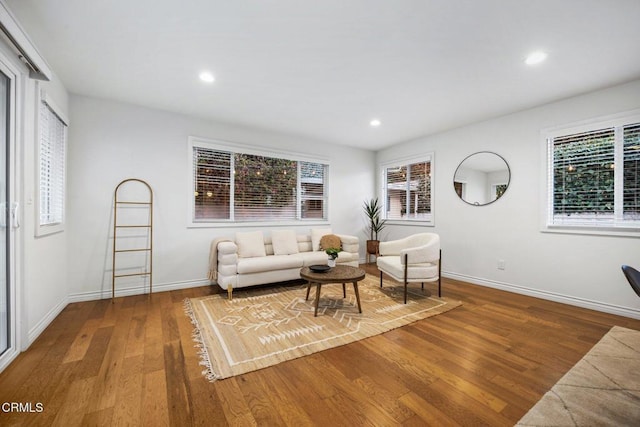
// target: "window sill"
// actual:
[[48, 230], [242, 224], [592, 231], [409, 222]]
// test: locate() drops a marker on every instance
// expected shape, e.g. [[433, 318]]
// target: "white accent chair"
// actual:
[[416, 258]]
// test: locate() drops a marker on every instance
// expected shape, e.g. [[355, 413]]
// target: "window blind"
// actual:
[[265, 188], [419, 203], [242, 187], [631, 174], [594, 177], [53, 133], [212, 184], [408, 191], [583, 177], [312, 190], [396, 189]]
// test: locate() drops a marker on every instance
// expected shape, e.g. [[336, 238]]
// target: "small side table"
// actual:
[[338, 274]]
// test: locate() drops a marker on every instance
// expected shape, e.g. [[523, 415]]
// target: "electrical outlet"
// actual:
[[501, 264]]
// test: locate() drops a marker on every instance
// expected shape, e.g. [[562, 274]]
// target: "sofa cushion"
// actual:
[[268, 263], [250, 244], [393, 266], [284, 242], [314, 258], [316, 235], [345, 256]]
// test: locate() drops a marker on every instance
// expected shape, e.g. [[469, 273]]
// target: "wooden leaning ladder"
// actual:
[[118, 204]]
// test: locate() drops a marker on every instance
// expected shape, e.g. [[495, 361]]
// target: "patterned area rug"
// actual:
[[264, 327], [602, 389]]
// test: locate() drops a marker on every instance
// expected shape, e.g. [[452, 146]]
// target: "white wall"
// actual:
[[37, 265], [578, 269], [45, 263], [112, 141], [41, 270]]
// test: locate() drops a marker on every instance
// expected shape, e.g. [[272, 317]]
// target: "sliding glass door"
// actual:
[[5, 222]]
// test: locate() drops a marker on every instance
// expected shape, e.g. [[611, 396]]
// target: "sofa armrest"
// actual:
[[421, 254], [227, 253], [223, 259], [227, 247], [349, 243]]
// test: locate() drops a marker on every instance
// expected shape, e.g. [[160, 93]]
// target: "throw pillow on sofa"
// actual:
[[284, 242], [250, 244], [330, 241], [316, 235]]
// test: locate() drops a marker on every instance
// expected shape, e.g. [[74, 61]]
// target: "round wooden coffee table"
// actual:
[[338, 274]]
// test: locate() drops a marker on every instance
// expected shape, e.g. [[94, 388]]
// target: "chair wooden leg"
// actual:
[[381, 279], [405, 292], [440, 275]]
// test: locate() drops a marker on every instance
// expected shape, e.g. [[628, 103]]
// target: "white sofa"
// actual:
[[252, 258]]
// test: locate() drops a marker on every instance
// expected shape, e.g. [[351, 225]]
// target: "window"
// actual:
[[312, 194], [407, 190], [51, 167], [242, 184], [631, 174], [593, 175]]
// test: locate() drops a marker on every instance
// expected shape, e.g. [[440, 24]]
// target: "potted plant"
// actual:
[[333, 254], [373, 210]]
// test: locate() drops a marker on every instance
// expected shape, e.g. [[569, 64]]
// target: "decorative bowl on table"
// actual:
[[319, 268]]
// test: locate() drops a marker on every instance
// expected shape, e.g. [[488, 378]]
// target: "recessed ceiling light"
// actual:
[[535, 57], [375, 122], [207, 77]]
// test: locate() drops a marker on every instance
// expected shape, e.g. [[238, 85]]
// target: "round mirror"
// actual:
[[482, 178]]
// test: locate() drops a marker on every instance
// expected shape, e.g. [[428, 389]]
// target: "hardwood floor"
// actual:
[[134, 363]]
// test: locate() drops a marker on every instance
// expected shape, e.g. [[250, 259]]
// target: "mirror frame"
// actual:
[[471, 155]]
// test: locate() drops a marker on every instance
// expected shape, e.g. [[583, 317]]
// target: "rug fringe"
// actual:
[[196, 336]]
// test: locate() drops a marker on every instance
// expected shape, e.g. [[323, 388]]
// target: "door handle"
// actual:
[[15, 217]]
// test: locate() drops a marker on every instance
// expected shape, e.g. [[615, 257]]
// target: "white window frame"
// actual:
[[619, 227], [406, 161], [257, 151], [51, 228]]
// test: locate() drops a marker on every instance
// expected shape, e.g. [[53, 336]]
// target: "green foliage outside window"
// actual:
[[584, 174], [269, 180], [631, 174], [500, 190], [247, 187]]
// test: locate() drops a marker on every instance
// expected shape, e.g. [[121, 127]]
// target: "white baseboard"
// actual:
[[35, 332], [8, 357], [551, 296], [137, 290]]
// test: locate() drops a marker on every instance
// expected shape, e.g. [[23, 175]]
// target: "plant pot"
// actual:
[[331, 262], [372, 247]]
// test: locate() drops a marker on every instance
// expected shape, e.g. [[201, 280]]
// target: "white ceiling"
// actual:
[[322, 69]]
